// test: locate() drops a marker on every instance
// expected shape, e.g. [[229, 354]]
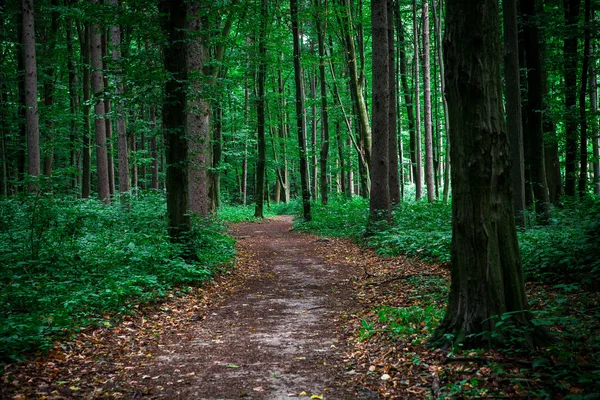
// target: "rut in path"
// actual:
[[277, 337]]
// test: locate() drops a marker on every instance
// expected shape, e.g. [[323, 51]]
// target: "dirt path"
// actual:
[[272, 334], [277, 337]]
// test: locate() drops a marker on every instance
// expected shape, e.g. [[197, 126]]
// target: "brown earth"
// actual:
[[269, 330]]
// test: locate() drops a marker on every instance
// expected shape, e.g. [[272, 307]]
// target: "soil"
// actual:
[[271, 329]]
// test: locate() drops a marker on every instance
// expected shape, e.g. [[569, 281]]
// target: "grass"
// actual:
[[72, 263]]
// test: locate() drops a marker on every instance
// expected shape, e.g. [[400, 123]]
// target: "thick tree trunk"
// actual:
[[427, 107], [261, 78], [300, 116], [513, 108], [198, 118], [571, 9], [31, 106], [487, 277], [380, 205], [534, 134], [174, 117]]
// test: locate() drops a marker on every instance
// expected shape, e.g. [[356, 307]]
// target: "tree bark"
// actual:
[[393, 138], [380, 205], [487, 276], [321, 25], [74, 131], [49, 45], [174, 117], [513, 108], [571, 10], [419, 167], [595, 129], [261, 78], [86, 163], [31, 106], [300, 113], [427, 107], [107, 118]]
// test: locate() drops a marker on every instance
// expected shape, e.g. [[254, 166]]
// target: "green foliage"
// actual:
[[67, 262], [415, 322], [342, 217]]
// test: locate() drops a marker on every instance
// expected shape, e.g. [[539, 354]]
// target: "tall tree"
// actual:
[[487, 275], [174, 117], [99, 110], [321, 25], [393, 138], [583, 144], [571, 10], [123, 154], [427, 106], [595, 129], [86, 159], [513, 107], [300, 114], [380, 205], [535, 167], [416, 73], [31, 106], [260, 111]]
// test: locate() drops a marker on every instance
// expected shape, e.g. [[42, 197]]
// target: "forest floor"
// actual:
[[298, 317]]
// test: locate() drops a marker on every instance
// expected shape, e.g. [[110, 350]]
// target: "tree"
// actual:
[[583, 144], [260, 111], [300, 113], [99, 110], [513, 107], [380, 205], [418, 178], [393, 140], [571, 9], [487, 275], [321, 25], [427, 106], [31, 107], [174, 117]]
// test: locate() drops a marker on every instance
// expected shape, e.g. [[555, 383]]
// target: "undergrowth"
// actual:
[[70, 263]]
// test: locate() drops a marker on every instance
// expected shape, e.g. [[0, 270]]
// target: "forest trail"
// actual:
[[268, 330]]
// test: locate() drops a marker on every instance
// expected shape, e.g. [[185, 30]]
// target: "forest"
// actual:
[[418, 179]]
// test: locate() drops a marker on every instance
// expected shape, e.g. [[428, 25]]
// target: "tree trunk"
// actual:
[[31, 106], [217, 158], [534, 134], [394, 179], [313, 134], [300, 116], [513, 108], [571, 9], [427, 107], [198, 118], [583, 152], [407, 95], [380, 205], [73, 102], [174, 118], [86, 167], [321, 25], [49, 45], [261, 78], [487, 276], [419, 167], [153, 149], [595, 128], [107, 113], [123, 155]]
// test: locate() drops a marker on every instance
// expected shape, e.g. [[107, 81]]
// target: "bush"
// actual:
[[66, 262]]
